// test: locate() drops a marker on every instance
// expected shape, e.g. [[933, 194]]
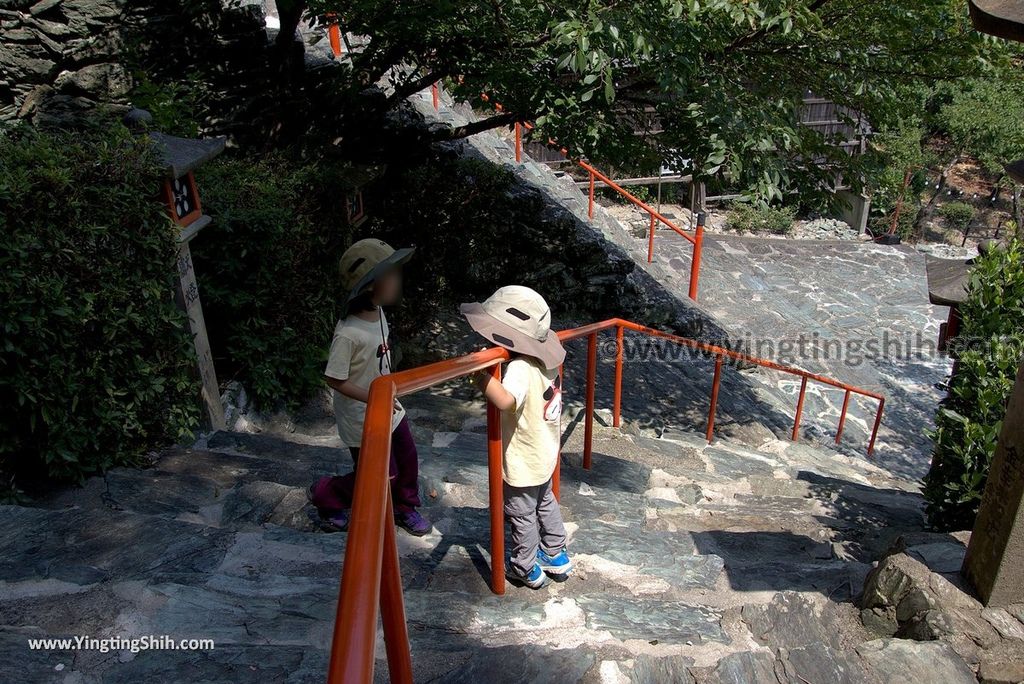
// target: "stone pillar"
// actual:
[[995, 556], [698, 199], [857, 214]]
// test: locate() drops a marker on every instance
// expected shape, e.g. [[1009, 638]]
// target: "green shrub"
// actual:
[[642, 193], [882, 223], [958, 215], [174, 106], [967, 425], [748, 218], [267, 269], [96, 364]]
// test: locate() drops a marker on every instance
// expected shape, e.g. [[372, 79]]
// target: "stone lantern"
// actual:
[[181, 156], [947, 286]]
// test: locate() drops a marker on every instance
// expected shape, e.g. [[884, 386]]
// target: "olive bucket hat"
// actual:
[[365, 261], [517, 318]]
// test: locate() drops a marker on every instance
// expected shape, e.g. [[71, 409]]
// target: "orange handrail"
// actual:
[[697, 239], [371, 578]]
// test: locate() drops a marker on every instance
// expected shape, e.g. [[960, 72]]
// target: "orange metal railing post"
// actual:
[[355, 627], [714, 397], [435, 96], [698, 246], [842, 416], [334, 37], [496, 486], [556, 478], [392, 606], [799, 408], [590, 205], [588, 431], [874, 430], [617, 397], [519, 142], [650, 241]]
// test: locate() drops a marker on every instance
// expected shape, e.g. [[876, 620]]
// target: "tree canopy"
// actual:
[[983, 118], [718, 82]]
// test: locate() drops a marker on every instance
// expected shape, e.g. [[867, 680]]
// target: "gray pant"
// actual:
[[536, 521]]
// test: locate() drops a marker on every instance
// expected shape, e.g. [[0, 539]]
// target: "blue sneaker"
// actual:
[[336, 522], [413, 523], [535, 579], [558, 566]]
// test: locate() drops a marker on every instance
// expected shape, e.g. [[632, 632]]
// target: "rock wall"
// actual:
[[59, 58]]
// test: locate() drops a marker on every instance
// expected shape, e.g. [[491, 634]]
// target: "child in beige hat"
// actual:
[[371, 274], [530, 399]]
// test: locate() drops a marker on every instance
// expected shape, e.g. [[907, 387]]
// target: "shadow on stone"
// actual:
[[780, 561]]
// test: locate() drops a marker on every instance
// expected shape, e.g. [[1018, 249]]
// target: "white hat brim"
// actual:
[[550, 352]]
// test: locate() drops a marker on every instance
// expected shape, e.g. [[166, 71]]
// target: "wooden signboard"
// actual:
[[182, 198]]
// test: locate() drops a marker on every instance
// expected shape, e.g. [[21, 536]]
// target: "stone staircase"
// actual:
[[694, 562], [859, 312], [852, 310]]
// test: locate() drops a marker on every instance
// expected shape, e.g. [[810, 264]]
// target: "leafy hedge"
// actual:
[[988, 352], [267, 269], [747, 218], [880, 224], [958, 215], [95, 359]]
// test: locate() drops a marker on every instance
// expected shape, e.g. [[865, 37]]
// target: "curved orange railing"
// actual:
[[697, 239], [371, 579]]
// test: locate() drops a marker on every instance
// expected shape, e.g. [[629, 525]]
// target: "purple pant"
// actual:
[[334, 493]]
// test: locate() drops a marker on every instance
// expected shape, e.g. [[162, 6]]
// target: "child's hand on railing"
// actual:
[[480, 379]]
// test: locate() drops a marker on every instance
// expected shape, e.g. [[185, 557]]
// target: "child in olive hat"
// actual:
[[530, 399], [371, 273]]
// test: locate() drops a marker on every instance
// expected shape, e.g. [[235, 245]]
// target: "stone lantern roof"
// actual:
[[948, 278], [1001, 18], [181, 155]]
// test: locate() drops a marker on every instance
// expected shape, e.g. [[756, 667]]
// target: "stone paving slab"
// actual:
[[679, 569], [268, 594], [669, 622], [899, 660], [820, 663], [88, 546], [835, 299]]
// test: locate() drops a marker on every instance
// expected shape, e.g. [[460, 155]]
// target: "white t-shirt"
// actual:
[[531, 430], [360, 353]]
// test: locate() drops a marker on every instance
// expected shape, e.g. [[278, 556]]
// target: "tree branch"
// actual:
[[760, 33], [472, 128], [412, 87]]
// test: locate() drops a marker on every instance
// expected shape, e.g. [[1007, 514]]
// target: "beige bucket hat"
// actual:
[[365, 261], [518, 319]]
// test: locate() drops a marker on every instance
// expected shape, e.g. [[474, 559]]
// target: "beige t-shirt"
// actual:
[[360, 353], [531, 430]]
